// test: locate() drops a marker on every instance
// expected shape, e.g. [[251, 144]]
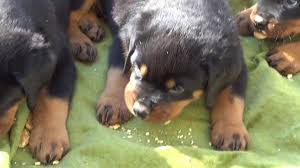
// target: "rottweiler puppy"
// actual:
[[175, 51], [84, 29], [36, 65], [275, 20]]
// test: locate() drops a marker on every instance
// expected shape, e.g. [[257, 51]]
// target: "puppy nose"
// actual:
[[260, 22], [141, 110]]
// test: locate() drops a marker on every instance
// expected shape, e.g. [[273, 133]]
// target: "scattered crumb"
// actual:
[[179, 131], [168, 122], [163, 147], [181, 136], [209, 143], [55, 162], [23, 164], [290, 76], [37, 163], [190, 129], [278, 150], [181, 142], [160, 141], [115, 127], [195, 146], [156, 139], [192, 142], [129, 136], [24, 138], [128, 131], [189, 134], [148, 141], [147, 133]]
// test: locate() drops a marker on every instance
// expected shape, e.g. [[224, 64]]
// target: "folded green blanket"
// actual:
[[272, 116]]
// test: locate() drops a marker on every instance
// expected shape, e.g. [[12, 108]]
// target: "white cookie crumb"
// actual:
[[37, 163], [55, 162], [160, 141], [115, 127], [195, 146]]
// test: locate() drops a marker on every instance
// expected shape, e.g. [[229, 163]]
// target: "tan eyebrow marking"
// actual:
[[144, 70], [197, 94], [170, 83]]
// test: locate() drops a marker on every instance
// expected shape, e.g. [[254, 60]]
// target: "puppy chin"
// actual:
[[166, 112]]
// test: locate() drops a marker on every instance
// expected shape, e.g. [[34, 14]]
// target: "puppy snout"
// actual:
[[260, 22], [141, 110]]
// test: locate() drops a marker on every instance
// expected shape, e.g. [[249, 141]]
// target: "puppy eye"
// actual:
[[291, 3], [178, 89]]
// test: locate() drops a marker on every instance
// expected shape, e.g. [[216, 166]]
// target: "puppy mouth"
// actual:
[[266, 28]]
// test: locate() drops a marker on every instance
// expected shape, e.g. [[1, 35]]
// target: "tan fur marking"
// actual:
[[144, 70], [8, 119], [49, 128], [170, 83], [287, 58], [227, 121], [197, 94], [166, 112]]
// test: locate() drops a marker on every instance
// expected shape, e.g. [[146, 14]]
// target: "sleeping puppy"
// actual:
[[36, 65], [84, 29], [275, 20], [175, 52]]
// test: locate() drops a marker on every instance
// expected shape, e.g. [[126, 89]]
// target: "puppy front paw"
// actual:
[[285, 62], [48, 143], [112, 110], [83, 48], [229, 137], [92, 30]]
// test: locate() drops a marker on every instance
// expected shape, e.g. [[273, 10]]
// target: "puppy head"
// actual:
[[27, 64], [276, 18], [164, 77]]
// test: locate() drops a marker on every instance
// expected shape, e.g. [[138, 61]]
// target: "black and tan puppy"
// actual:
[[36, 64], [175, 51], [275, 20]]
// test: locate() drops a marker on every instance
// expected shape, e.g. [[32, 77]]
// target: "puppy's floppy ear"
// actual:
[[132, 51], [32, 69]]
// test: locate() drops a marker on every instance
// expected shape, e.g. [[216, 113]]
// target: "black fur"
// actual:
[[34, 51], [194, 42]]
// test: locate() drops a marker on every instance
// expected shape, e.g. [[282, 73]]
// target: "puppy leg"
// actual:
[[49, 137], [228, 130], [111, 108], [245, 25], [286, 58], [7, 119], [81, 46]]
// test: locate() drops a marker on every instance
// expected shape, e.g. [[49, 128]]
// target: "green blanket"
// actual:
[[272, 116]]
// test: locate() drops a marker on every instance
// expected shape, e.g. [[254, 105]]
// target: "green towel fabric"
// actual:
[[272, 117]]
